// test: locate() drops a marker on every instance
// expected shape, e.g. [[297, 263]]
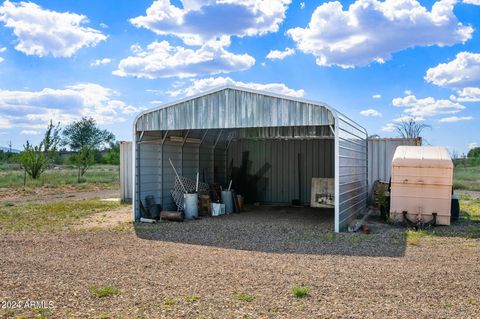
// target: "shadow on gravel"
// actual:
[[279, 230]]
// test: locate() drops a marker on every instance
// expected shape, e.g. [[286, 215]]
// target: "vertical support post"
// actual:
[[135, 180], [213, 155], [161, 168], [366, 165], [199, 147], [181, 154], [337, 176], [226, 156]]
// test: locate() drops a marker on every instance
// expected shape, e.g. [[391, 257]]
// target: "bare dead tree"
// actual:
[[410, 128]]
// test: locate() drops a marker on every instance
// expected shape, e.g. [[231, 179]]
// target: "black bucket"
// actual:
[[153, 208]]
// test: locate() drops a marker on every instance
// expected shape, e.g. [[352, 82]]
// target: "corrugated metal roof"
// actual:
[[235, 107]]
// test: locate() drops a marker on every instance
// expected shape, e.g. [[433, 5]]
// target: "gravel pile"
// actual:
[[198, 269]]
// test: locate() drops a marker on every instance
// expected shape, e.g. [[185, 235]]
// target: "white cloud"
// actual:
[[463, 71], [406, 118], [43, 32], [161, 60], [203, 85], [371, 112], [388, 128], [427, 106], [280, 55], [376, 96], [474, 2], [408, 92], [302, 5], [34, 109], [455, 119], [468, 94], [371, 30], [5, 122], [103, 61], [30, 132], [472, 145], [198, 22], [2, 49]]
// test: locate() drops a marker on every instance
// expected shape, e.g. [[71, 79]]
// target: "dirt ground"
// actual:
[[44, 194], [107, 220], [198, 269]]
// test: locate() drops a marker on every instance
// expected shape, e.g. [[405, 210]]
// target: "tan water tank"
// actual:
[[422, 179]]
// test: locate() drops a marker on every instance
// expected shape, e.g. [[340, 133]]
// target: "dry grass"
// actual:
[[467, 178], [48, 217]]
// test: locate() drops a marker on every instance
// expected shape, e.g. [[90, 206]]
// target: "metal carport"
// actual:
[[208, 132]]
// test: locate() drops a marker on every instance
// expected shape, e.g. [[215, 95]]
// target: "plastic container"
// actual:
[[227, 199], [190, 203], [218, 209], [422, 180]]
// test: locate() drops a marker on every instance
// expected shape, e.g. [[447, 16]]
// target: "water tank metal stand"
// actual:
[[419, 224]]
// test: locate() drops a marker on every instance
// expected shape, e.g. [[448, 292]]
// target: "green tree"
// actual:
[[85, 137], [35, 159], [112, 156], [474, 153]]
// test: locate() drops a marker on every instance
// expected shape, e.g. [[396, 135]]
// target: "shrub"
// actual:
[[102, 292], [300, 291], [243, 296]]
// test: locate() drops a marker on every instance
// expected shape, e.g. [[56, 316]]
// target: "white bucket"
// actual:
[[227, 199], [190, 204], [218, 209]]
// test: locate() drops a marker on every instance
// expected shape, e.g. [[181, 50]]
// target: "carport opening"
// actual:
[[270, 167]]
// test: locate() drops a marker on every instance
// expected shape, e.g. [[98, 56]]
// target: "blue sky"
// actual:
[[376, 61]]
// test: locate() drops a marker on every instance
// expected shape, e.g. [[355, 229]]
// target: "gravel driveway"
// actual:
[[159, 276]]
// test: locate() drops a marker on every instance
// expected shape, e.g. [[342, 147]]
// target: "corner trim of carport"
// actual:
[[336, 178], [134, 169]]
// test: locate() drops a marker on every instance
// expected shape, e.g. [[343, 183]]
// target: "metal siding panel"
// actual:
[[304, 171], [126, 158], [220, 165], [280, 169], [291, 169], [380, 157], [352, 170], [190, 161], [149, 176], [282, 184], [170, 151], [205, 161]]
